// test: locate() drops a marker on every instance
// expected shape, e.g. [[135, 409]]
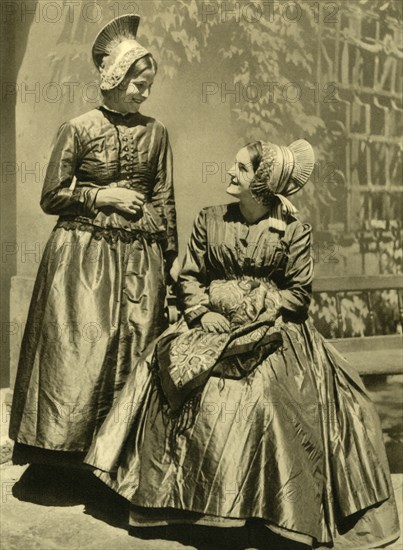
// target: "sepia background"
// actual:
[[229, 73]]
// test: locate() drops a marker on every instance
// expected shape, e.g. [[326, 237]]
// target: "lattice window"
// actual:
[[362, 54]]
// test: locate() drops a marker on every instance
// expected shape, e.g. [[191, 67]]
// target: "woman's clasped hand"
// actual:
[[125, 200]]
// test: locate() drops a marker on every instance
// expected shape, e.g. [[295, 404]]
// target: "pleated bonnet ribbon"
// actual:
[[282, 171], [115, 49]]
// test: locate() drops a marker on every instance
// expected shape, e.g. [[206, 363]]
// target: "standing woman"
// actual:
[[99, 297]]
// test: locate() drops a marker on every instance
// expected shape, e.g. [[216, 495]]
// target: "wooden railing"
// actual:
[[369, 354]]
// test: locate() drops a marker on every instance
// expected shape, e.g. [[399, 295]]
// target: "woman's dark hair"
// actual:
[[144, 63], [255, 150]]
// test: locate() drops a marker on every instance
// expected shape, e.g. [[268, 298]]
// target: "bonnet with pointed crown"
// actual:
[[115, 49]]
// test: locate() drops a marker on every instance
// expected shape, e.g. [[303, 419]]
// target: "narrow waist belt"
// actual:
[[111, 234]]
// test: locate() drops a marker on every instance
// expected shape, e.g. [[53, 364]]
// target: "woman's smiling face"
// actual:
[[132, 91], [242, 174]]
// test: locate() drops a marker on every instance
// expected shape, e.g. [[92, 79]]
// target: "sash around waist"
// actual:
[[147, 223]]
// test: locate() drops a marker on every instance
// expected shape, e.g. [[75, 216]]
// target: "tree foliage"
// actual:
[[262, 46]]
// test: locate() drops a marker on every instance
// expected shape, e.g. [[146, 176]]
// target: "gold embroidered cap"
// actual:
[[115, 49]]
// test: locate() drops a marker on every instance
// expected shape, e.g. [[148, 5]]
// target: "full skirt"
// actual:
[[97, 303], [297, 443]]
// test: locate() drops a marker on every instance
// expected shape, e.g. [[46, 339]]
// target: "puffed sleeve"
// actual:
[[296, 287], [193, 279], [163, 198], [57, 198]]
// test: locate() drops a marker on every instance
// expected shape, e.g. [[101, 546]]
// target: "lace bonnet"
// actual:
[[115, 49]]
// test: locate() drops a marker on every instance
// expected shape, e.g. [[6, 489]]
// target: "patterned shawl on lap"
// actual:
[[186, 360]]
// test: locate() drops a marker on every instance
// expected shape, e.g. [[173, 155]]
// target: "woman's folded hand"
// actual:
[[120, 198], [214, 322]]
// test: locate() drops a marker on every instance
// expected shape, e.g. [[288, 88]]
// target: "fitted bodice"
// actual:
[[118, 148], [104, 148], [237, 249], [224, 246]]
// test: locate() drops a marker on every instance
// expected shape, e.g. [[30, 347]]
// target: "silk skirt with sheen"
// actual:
[[297, 444], [96, 305]]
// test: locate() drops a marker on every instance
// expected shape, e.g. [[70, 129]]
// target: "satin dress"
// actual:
[[296, 443], [100, 292]]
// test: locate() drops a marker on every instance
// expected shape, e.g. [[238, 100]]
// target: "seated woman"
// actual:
[[241, 410]]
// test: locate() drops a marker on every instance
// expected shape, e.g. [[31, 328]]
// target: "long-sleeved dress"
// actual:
[[100, 292], [296, 442]]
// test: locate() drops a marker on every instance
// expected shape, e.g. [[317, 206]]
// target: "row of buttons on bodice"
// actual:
[[134, 170]]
